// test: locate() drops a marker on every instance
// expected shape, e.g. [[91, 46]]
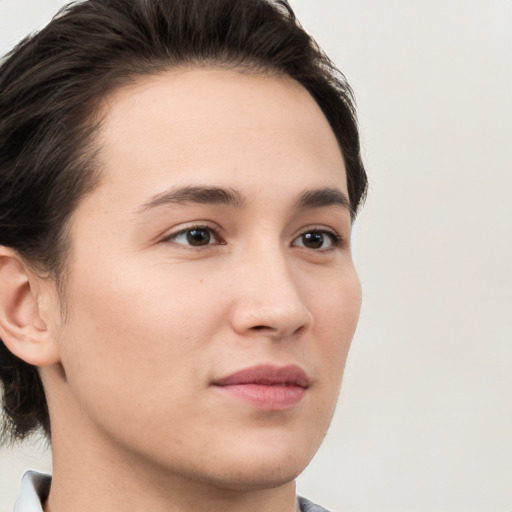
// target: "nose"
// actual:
[[268, 300]]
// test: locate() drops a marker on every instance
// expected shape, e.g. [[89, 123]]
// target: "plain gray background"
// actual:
[[425, 415]]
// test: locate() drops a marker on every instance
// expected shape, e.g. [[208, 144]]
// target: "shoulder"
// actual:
[[308, 506]]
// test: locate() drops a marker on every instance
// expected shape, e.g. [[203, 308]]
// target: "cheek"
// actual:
[[336, 305], [349, 299], [337, 314], [127, 331]]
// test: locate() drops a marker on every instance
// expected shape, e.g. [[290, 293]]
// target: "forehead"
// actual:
[[219, 127]]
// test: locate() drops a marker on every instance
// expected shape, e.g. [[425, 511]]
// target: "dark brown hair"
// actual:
[[52, 83]]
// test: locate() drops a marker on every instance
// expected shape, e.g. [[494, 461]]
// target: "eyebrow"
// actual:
[[322, 197], [316, 198], [196, 194]]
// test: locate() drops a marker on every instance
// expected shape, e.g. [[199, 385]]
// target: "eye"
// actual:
[[195, 236], [317, 239]]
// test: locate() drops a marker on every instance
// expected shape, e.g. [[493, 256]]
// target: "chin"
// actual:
[[264, 476], [262, 466]]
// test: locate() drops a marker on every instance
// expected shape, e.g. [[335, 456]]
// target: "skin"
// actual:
[[152, 322]]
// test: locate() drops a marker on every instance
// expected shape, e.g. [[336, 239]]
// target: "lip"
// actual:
[[267, 387]]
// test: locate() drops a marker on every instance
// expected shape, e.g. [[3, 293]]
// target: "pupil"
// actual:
[[198, 237], [313, 240]]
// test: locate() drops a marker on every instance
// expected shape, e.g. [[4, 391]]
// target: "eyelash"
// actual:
[[336, 239], [199, 227]]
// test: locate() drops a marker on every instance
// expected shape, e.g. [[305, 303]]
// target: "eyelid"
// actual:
[[214, 230], [336, 238]]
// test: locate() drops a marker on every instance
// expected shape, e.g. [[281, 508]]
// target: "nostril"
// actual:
[[260, 327], [299, 329]]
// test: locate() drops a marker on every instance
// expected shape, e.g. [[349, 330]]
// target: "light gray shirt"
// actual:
[[36, 486]]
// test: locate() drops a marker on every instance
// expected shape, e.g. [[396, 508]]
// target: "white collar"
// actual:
[[34, 490]]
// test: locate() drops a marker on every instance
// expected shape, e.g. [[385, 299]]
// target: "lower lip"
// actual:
[[268, 398]]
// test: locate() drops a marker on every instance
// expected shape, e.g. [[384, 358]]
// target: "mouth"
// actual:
[[266, 387]]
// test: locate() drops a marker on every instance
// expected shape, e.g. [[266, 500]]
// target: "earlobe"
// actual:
[[22, 328]]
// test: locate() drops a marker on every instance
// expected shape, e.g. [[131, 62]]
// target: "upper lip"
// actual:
[[267, 375]]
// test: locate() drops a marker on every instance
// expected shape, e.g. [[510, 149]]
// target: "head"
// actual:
[[74, 168]]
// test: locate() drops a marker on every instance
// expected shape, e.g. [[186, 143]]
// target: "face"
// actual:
[[211, 295]]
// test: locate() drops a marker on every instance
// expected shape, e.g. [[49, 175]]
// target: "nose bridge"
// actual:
[[268, 299]]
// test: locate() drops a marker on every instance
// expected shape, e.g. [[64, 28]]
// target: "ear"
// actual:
[[22, 329]]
